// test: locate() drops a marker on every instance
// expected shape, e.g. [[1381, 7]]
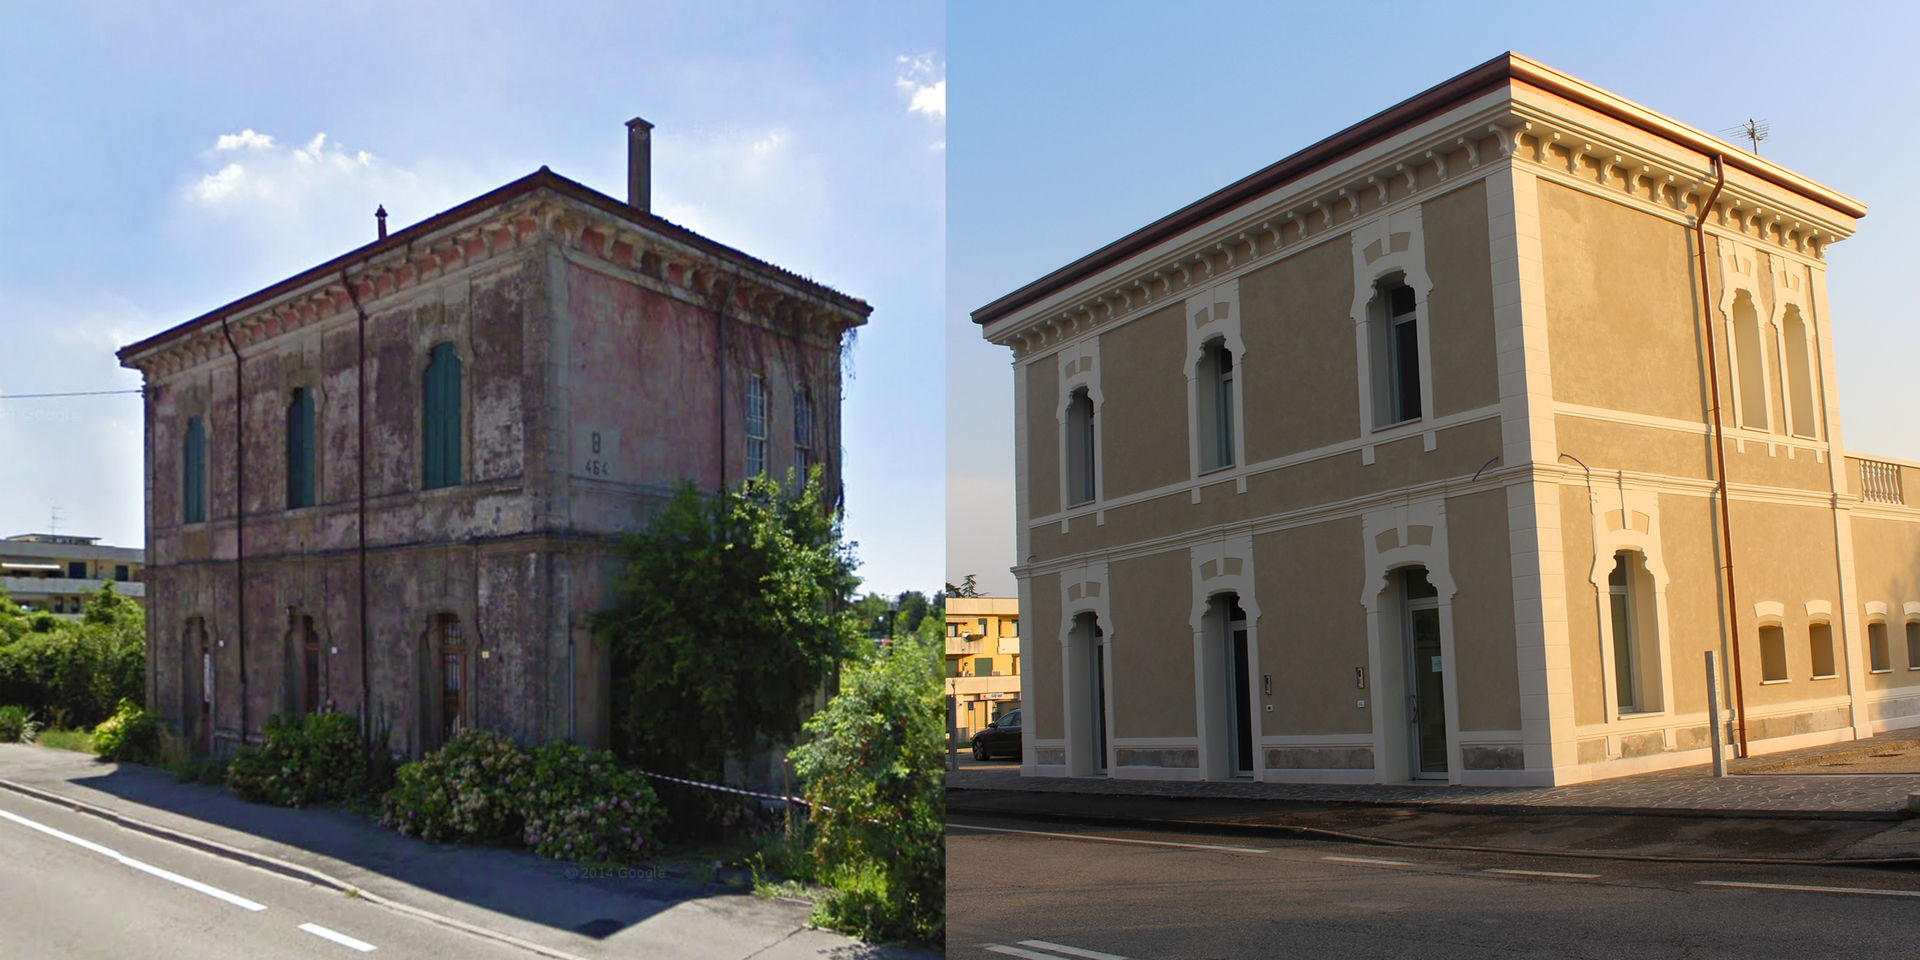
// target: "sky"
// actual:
[[161, 160], [1074, 124]]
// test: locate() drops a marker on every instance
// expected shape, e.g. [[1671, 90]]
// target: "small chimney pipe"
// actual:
[[380, 215], [639, 164]]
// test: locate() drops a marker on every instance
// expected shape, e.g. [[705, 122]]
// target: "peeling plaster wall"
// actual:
[[554, 345]]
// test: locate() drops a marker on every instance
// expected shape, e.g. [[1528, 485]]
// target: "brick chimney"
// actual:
[[639, 164]]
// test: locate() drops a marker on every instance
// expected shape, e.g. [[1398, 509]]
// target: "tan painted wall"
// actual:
[[1296, 323], [1313, 630], [1583, 617], [1783, 553], [1620, 301], [1152, 646], [1887, 568], [1041, 685], [1145, 433], [1460, 307], [1460, 451], [1479, 554], [1043, 436]]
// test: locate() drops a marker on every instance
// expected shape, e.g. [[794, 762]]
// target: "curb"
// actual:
[[279, 866], [1236, 828], [1499, 809]]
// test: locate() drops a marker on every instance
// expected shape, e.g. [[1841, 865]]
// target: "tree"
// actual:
[[13, 623], [969, 587], [730, 615], [875, 781]]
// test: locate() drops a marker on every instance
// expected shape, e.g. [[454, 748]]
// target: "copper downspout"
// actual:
[[360, 415], [1720, 458], [239, 512]]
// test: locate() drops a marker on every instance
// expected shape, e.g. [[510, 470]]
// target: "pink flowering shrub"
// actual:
[[581, 805], [469, 790]]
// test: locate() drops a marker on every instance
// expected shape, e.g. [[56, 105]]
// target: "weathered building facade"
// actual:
[[1447, 448], [388, 485]]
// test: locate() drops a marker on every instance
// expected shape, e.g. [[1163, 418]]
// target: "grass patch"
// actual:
[[77, 740]]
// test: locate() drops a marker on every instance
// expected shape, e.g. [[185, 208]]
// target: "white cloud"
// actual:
[[923, 80], [768, 144], [245, 138], [218, 186]]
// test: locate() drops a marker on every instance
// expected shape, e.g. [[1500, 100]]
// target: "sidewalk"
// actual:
[[543, 905], [1799, 806]]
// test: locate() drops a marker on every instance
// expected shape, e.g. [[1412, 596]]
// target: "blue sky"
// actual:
[[159, 160], [1074, 124]]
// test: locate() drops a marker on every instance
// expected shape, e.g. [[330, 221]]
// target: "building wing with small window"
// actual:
[[389, 485], [1402, 459]]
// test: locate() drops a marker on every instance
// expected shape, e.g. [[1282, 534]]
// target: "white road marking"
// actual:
[[1071, 951], [1806, 889], [1547, 873], [339, 938], [189, 883], [1058, 949], [1374, 861], [1089, 836]]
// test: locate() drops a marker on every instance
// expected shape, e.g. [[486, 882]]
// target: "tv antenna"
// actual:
[[53, 519], [1753, 131]]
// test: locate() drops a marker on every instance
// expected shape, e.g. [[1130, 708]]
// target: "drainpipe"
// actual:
[[360, 414], [239, 512], [1720, 458], [720, 320]]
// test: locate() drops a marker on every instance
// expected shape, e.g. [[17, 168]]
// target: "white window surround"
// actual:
[[1408, 534], [1214, 314], [1790, 286], [1080, 369], [1385, 246], [1221, 567], [1628, 519], [1083, 590]]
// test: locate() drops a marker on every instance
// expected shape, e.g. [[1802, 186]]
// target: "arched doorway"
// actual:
[[1086, 697]]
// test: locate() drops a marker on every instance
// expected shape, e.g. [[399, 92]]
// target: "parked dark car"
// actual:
[[1000, 738]]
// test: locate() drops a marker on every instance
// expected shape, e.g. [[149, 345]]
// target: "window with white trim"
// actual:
[[1636, 641], [1082, 458], [1395, 336], [1214, 389], [1820, 649], [756, 426]]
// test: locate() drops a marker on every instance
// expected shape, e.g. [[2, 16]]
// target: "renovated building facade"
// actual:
[[983, 659], [54, 573], [1448, 448], [389, 485]]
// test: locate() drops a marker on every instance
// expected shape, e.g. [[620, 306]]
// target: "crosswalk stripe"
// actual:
[[1058, 950], [1070, 951]]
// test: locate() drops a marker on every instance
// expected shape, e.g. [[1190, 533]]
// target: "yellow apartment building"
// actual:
[[983, 659], [1447, 448]]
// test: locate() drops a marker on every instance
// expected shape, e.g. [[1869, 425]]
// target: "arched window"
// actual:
[[1636, 642], [1749, 364], [1214, 392], [802, 432], [1081, 455], [440, 430], [1799, 363], [1395, 336], [756, 426], [193, 474], [300, 450]]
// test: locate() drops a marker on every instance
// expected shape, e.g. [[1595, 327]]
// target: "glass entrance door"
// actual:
[[1242, 712], [1099, 679], [1426, 694]]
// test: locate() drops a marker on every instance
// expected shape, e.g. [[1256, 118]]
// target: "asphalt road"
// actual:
[[73, 886], [1050, 893]]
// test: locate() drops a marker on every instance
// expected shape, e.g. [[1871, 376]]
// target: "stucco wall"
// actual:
[[1145, 389], [1313, 630], [1152, 646]]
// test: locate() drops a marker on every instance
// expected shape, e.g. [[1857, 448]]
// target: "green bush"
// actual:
[[131, 735], [318, 759], [16, 724], [75, 671], [874, 778], [581, 805], [469, 790]]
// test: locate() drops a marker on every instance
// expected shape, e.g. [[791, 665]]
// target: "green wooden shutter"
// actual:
[[300, 450], [194, 482], [440, 440]]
